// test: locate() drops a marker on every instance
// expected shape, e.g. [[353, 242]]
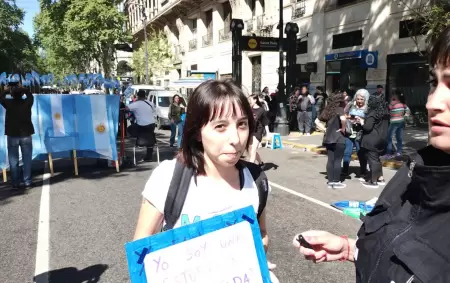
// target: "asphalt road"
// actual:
[[93, 215]]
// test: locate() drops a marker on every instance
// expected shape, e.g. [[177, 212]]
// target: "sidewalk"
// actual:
[[413, 139]]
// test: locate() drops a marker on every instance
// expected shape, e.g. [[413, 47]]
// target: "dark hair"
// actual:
[[319, 88], [334, 101], [141, 93], [173, 98], [398, 93], [440, 49], [380, 86], [205, 104], [255, 96]]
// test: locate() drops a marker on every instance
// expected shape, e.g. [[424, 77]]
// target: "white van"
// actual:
[[162, 99]]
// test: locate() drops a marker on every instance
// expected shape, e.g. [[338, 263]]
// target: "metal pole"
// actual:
[[146, 49], [281, 123]]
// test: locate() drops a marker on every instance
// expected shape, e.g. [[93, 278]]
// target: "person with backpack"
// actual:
[[207, 177], [405, 237], [144, 128]]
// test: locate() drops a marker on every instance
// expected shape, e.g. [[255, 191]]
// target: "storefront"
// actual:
[[409, 72], [344, 69]]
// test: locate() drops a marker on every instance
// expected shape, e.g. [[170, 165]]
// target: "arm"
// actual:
[[312, 99], [149, 221], [263, 230], [170, 112], [343, 123], [368, 124]]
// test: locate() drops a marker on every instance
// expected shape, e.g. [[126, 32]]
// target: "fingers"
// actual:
[[271, 265]]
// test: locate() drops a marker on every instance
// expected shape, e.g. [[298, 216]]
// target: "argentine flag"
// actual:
[[97, 125], [56, 123]]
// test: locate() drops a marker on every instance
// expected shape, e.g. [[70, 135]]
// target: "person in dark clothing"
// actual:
[[19, 129], [334, 139], [374, 140], [273, 108], [405, 237], [305, 104], [293, 98], [261, 121], [176, 123]]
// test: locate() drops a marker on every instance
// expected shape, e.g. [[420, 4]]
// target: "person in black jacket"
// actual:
[[19, 129], [405, 238], [374, 140]]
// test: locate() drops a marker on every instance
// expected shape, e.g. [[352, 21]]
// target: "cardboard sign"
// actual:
[[222, 249]]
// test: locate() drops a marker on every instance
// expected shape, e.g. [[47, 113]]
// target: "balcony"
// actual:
[[207, 39], [298, 10], [224, 34], [338, 4], [192, 44], [249, 25], [259, 22], [179, 51]]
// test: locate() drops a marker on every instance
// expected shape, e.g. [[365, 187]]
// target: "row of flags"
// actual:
[[73, 81], [62, 123]]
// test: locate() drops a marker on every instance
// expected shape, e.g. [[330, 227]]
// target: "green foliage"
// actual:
[[17, 51], [160, 56], [123, 68], [76, 32]]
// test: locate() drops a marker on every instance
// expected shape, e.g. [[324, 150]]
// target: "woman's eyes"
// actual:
[[222, 127]]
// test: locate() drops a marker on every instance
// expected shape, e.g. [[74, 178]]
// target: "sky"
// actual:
[[31, 8]]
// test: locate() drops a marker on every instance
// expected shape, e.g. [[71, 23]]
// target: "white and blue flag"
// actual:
[[97, 125]]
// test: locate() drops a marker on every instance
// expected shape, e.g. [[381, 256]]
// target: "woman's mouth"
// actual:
[[438, 126]]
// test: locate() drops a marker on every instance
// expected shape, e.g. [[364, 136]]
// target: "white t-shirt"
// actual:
[[203, 200], [145, 115]]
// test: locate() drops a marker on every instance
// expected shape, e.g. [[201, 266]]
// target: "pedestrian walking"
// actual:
[[261, 122], [334, 139], [176, 122], [403, 239]]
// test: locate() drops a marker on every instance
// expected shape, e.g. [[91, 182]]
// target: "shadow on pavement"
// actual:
[[90, 274]]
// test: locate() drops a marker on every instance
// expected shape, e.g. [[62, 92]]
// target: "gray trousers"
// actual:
[[304, 120]]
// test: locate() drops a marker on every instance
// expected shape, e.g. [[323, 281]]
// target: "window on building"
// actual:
[[194, 67], [346, 2], [209, 21], [227, 12], [347, 39], [252, 5], [158, 82], [410, 28], [166, 73], [194, 26], [166, 83], [301, 47], [263, 5]]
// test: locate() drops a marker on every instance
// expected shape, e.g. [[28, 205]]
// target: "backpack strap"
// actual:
[[261, 182], [176, 195]]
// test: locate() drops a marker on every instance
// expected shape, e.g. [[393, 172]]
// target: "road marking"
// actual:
[[316, 201], [43, 243], [295, 193]]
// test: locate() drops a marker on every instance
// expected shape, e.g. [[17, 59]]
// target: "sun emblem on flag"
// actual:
[[57, 116], [101, 128]]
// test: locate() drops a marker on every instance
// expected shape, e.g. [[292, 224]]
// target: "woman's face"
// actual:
[[252, 101], [438, 107], [225, 138], [176, 99], [360, 100]]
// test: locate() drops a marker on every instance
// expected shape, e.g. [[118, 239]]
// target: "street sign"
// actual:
[[259, 43]]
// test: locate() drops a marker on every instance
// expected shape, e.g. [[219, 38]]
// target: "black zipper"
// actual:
[[405, 230]]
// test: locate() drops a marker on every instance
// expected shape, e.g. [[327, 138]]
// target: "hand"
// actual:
[[327, 247]]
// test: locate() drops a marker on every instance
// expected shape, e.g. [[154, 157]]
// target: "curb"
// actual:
[[390, 164]]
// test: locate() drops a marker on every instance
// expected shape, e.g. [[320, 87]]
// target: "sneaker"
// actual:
[[362, 179], [308, 134], [370, 185], [381, 182], [339, 185], [330, 185]]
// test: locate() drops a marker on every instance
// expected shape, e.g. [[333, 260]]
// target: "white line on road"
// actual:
[[43, 241], [295, 193]]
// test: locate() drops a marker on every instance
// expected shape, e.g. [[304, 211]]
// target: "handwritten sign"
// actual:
[[226, 255], [224, 249]]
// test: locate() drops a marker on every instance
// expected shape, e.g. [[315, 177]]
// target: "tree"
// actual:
[[17, 51], [430, 18], [160, 56], [123, 68], [76, 32]]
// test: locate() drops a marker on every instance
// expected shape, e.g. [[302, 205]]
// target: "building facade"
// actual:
[[364, 43]]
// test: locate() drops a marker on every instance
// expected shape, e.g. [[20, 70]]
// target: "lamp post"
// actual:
[[236, 27], [281, 122]]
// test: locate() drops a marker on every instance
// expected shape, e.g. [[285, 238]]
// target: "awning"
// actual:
[[186, 83]]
